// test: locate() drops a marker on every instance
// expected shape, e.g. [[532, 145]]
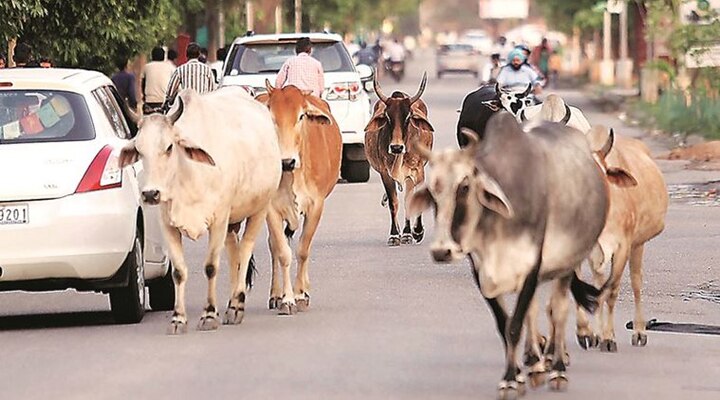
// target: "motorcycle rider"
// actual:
[[517, 74], [395, 59], [365, 56]]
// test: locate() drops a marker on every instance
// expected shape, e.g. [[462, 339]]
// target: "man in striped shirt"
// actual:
[[302, 71], [191, 75]]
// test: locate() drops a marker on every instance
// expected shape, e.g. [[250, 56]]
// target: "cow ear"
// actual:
[[420, 200], [494, 105], [621, 178], [378, 120], [490, 195], [268, 86], [263, 98], [316, 114], [128, 155], [195, 153], [421, 123]]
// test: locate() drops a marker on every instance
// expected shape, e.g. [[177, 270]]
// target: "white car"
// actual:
[[253, 59], [480, 40], [69, 217]]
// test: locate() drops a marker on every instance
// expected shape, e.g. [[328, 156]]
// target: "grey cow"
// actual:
[[527, 204]]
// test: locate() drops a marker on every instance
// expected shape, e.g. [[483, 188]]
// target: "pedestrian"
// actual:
[[23, 56], [172, 55], [154, 81], [555, 65], [125, 82], [541, 57], [491, 69], [203, 55], [301, 70], [3, 61], [45, 62], [217, 65], [191, 75]]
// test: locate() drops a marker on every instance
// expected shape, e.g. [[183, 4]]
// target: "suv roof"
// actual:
[[54, 78], [272, 38]]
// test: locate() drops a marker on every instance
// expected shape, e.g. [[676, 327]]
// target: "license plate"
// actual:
[[15, 214]]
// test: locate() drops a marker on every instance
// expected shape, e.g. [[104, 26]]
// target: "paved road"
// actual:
[[385, 323]]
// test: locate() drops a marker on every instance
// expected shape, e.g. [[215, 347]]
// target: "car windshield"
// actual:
[[456, 47], [43, 116], [258, 58]]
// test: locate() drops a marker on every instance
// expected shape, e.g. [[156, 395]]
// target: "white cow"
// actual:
[[211, 164], [555, 109]]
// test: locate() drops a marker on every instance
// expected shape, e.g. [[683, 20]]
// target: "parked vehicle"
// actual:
[[253, 59], [479, 40], [69, 216], [457, 58]]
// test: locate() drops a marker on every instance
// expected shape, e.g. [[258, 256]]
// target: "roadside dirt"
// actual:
[[702, 156]]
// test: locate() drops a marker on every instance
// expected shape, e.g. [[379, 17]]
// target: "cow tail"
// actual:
[[252, 270], [585, 294]]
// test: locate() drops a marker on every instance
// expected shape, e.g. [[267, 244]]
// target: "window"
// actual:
[[112, 112], [258, 58], [43, 116]]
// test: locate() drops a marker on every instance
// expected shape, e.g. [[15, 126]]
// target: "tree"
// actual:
[[90, 34], [561, 13]]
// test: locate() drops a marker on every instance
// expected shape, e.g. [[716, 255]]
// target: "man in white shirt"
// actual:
[[155, 78], [517, 74], [217, 65]]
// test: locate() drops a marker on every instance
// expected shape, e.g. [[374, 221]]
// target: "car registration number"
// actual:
[[15, 214]]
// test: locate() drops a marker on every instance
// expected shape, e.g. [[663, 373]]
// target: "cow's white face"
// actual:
[[514, 101]]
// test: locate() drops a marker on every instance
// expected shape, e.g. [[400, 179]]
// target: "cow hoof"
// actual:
[[508, 390], [589, 341], [209, 322], [384, 201], [537, 379], [406, 238], [233, 316], [303, 303], [558, 381], [608, 346], [393, 241], [418, 236], [274, 303], [177, 327], [639, 339], [287, 309], [521, 387]]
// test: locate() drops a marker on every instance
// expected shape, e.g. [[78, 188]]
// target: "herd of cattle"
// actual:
[[532, 191]]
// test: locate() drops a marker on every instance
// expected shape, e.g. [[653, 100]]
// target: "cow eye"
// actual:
[[169, 149], [300, 118], [463, 190]]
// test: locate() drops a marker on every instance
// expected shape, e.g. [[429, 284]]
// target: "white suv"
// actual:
[[69, 216], [252, 59]]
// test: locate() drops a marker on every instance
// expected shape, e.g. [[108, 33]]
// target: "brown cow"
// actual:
[[636, 215], [311, 149], [398, 121]]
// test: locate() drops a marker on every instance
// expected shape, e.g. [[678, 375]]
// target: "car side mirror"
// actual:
[[365, 71]]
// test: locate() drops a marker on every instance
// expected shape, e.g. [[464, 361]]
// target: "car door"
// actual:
[[154, 250]]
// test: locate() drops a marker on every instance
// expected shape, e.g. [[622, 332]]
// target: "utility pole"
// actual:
[[250, 15], [278, 18], [298, 16], [607, 65], [624, 67]]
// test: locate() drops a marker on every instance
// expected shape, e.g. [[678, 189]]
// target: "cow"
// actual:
[[398, 121], [527, 204], [479, 105], [637, 214], [311, 150], [212, 163]]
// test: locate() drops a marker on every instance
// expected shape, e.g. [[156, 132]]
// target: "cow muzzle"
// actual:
[[289, 164], [396, 149], [151, 197], [445, 252]]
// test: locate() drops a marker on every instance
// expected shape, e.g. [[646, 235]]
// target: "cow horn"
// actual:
[[528, 90], [567, 116], [497, 88], [608, 144], [378, 90], [269, 86], [421, 89], [176, 115]]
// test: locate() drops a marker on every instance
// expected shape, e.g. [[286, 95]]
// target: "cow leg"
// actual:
[[512, 382], [302, 281], [282, 300], [619, 259], [391, 193], [639, 337], [236, 306], [178, 323], [210, 318], [586, 338], [559, 305], [281, 254], [533, 352], [407, 237], [496, 304]]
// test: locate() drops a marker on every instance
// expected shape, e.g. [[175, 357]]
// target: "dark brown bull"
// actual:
[[398, 121]]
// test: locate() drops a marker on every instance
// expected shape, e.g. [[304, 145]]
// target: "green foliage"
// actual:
[[14, 15], [91, 34], [589, 19], [561, 13], [352, 15], [672, 114]]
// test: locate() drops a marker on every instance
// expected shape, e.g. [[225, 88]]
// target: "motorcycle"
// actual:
[[396, 69]]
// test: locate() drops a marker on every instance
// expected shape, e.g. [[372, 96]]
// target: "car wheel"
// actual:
[[128, 303], [162, 292], [355, 171]]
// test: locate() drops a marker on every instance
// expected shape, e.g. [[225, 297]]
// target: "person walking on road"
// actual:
[[302, 71], [125, 82], [191, 75], [154, 81]]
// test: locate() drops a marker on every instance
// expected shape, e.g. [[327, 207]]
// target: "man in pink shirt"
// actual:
[[302, 71]]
